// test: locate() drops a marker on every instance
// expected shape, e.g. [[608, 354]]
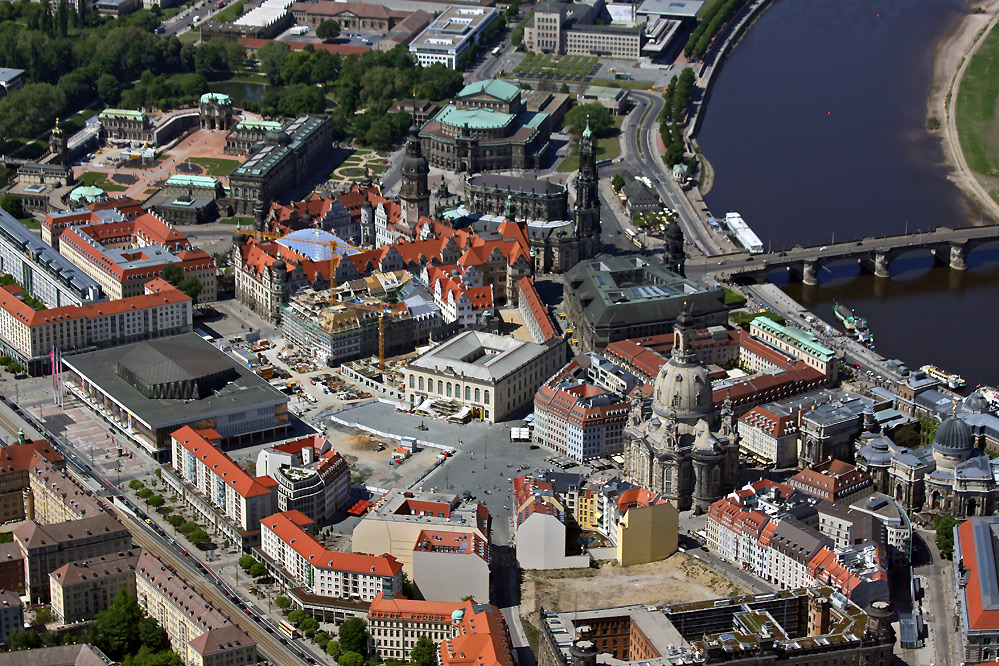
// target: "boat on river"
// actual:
[[952, 379], [851, 322]]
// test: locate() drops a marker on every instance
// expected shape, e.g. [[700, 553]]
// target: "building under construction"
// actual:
[[339, 331]]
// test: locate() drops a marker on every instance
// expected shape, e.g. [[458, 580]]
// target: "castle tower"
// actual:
[[415, 191], [367, 223], [58, 144], [586, 214]]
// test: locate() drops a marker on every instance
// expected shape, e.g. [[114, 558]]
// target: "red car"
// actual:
[[183, 552]]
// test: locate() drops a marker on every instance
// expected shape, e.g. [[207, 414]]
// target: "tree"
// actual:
[[152, 635], [617, 182], [12, 204], [944, 526], [14, 368], [24, 639], [199, 537], [406, 585], [116, 627], [353, 636], [309, 626], [108, 89], [145, 493], [31, 110], [147, 657], [598, 115], [283, 603], [173, 274], [333, 649], [272, 56], [296, 616], [188, 527], [424, 653], [43, 616], [135, 484], [156, 501], [176, 521], [351, 659], [245, 562], [564, 89], [328, 30], [321, 639], [191, 286], [257, 570]]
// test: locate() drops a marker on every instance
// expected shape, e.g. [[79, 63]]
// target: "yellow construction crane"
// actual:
[[383, 312]]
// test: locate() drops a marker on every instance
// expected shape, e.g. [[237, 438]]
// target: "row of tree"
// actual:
[[711, 24], [678, 96]]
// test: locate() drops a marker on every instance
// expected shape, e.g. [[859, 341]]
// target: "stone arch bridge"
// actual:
[[948, 247]]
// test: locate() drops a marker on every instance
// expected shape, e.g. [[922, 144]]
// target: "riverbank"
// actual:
[[950, 60]]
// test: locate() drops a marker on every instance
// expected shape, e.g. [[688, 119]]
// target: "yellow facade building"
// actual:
[[79, 590]]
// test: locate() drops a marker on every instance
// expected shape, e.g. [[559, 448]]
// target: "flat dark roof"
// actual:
[[248, 390]]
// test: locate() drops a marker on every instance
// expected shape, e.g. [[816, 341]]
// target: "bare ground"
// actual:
[[949, 60], [679, 578]]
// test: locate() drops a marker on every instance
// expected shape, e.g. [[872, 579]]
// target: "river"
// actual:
[[815, 129]]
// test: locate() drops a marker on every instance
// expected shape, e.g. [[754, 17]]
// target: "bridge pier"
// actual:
[[810, 273], [881, 265], [958, 252]]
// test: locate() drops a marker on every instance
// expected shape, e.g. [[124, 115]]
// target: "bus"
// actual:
[[288, 629], [496, 51]]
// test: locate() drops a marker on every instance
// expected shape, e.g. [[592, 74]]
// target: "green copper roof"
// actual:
[[266, 125], [181, 180], [586, 132], [122, 113], [476, 119], [499, 89], [221, 98], [795, 337], [86, 193]]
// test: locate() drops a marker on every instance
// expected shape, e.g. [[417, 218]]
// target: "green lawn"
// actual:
[[243, 221], [607, 149], [569, 67], [30, 222], [975, 108], [190, 37], [73, 125], [230, 13], [95, 178], [620, 83], [216, 166]]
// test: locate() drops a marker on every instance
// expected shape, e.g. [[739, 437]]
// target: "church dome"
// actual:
[[683, 389], [674, 231], [976, 404], [279, 266], [953, 438]]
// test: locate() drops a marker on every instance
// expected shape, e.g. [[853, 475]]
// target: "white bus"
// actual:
[[496, 51]]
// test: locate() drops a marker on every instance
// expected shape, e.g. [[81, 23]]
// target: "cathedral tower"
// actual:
[[586, 214]]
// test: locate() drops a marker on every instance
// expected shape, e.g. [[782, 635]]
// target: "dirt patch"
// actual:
[[367, 443], [189, 167], [124, 179], [679, 578]]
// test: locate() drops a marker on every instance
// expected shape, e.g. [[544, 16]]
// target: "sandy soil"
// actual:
[[949, 60], [679, 578]]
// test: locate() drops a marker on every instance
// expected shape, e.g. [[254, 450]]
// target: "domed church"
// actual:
[[688, 450], [952, 476]]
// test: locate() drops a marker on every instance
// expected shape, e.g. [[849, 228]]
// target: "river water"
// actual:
[[815, 129]]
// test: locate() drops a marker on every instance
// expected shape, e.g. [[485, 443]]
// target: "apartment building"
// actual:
[[450, 566], [779, 534], [770, 434], [578, 419], [394, 523], [81, 589], [123, 256], [109, 210], [40, 270], [11, 614], [834, 481], [468, 628], [15, 462], [11, 567], [29, 335], [45, 548], [295, 557], [225, 496], [199, 633], [311, 477], [53, 496]]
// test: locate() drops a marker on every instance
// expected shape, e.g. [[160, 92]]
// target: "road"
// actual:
[[640, 127], [220, 594]]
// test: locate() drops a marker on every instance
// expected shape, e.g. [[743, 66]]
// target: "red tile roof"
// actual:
[[288, 526], [165, 294], [219, 463], [539, 312]]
